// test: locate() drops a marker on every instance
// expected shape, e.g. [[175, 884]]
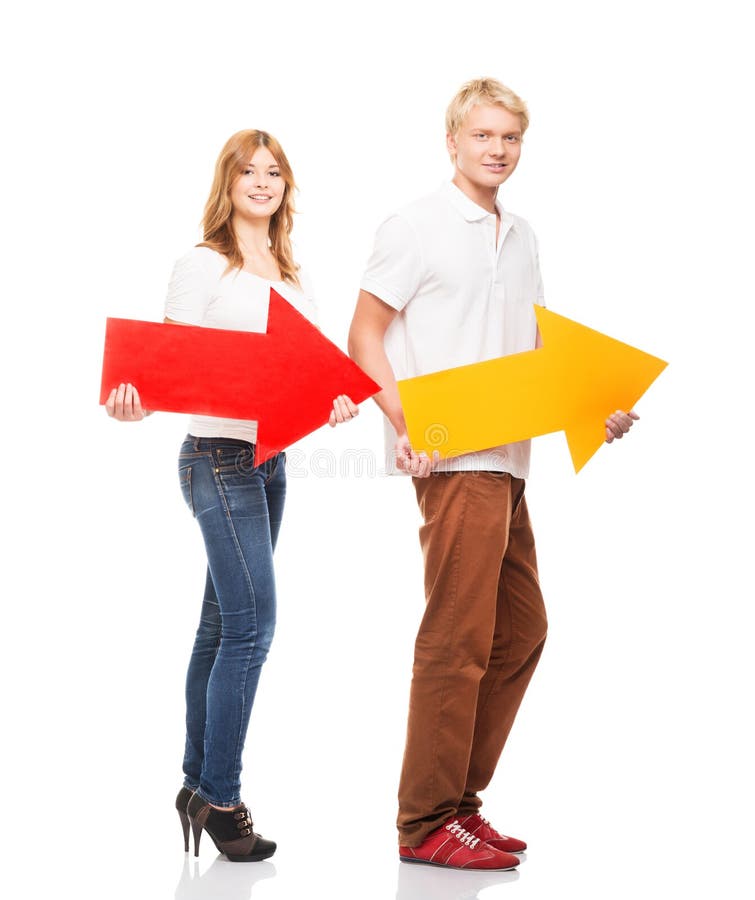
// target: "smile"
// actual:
[[262, 197]]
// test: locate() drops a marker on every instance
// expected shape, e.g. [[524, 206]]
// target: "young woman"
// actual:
[[224, 282]]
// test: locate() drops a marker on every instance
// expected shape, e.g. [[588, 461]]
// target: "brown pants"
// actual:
[[478, 643]]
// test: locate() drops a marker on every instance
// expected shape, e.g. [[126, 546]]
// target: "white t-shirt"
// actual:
[[462, 298], [202, 293]]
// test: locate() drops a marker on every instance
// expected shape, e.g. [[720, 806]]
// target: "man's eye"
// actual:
[[512, 138]]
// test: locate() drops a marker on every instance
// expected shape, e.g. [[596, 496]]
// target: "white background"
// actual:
[[629, 768]]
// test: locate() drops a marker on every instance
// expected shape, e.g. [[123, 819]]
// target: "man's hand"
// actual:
[[618, 424], [417, 464]]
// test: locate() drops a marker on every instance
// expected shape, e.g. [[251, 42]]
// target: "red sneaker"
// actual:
[[482, 829], [452, 846]]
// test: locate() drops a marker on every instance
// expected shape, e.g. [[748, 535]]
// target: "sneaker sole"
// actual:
[[427, 862]]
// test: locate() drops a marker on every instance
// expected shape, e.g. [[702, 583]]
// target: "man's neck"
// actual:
[[482, 196]]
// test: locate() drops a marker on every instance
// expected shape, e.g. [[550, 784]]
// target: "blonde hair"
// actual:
[[216, 222], [484, 91]]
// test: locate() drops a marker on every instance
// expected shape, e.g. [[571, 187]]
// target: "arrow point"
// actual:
[[603, 375], [263, 452], [584, 442]]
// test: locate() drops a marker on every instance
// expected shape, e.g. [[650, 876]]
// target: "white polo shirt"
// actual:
[[462, 296]]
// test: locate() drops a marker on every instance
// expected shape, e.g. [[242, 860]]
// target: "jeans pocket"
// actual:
[[184, 477], [235, 461]]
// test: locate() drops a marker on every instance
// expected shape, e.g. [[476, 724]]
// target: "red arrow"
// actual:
[[286, 379]]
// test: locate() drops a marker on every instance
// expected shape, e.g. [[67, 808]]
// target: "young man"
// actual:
[[452, 281]]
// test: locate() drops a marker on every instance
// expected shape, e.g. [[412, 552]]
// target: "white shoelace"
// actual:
[[484, 821], [464, 836]]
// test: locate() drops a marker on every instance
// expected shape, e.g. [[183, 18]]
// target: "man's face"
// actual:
[[486, 148]]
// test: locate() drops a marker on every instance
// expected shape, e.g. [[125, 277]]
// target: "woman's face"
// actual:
[[258, 191]]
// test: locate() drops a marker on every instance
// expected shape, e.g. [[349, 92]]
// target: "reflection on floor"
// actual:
[[235, 881]]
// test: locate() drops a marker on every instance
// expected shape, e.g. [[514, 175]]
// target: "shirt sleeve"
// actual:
[[394, 269], [189, 289]]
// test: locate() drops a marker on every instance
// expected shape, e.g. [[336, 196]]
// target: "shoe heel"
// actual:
[[185, 826], [196, 828]]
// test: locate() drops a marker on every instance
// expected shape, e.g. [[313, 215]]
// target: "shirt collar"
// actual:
[[470, 210]]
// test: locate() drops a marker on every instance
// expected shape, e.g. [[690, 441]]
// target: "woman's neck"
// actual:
[[253, 241], [252, 237]]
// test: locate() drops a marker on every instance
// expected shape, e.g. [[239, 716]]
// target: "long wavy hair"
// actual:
[[216, 222]]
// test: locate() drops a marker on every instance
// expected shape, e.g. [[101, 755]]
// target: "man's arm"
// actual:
[[367, 348]]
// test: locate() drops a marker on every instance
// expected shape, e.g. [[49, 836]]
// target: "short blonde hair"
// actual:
[[486, 92]]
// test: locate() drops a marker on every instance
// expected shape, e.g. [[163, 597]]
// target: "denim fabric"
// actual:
[[239, 508]]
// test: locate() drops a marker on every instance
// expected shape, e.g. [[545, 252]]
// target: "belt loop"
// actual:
[[196, 443]]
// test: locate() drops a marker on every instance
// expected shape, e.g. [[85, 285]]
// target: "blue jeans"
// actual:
[[239, 510]]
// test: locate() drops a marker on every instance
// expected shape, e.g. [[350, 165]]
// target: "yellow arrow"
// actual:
[[572, 383]]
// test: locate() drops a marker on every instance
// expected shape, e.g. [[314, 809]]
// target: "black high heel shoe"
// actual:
[[231, 831], [182, 802]]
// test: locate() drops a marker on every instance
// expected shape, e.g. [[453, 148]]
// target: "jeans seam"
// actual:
[[276, 460], [221, 492], [250, 588], [189, 491], [213, 802]]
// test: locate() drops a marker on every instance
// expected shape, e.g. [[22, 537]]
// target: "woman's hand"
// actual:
[[124, 404], [343, 410], [618, 424]]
